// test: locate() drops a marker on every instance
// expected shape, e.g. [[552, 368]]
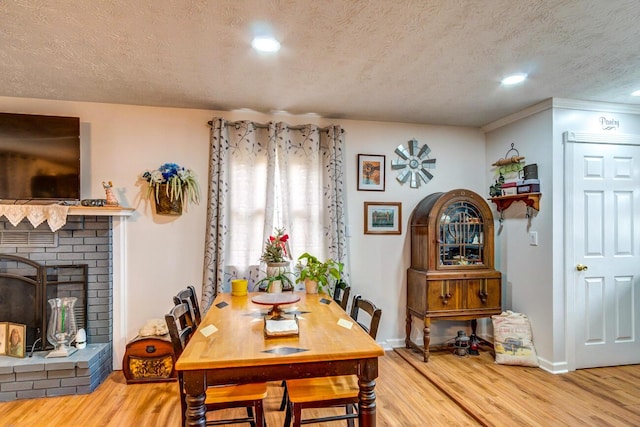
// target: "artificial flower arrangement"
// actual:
[[181, 183], [276, 251], [276, 248]]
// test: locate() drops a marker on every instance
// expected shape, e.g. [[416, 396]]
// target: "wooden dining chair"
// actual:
[[341, 294], [360, 306], [249, 396], [324, 392], [189, 296]]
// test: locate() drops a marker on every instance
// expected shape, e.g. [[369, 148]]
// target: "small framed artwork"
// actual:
[[16, 345], [3, 338], [382, 218], [371, 172]]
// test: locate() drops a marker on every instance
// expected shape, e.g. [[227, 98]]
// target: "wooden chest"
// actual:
[[149, 359]]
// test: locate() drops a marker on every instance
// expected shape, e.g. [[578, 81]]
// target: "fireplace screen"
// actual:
[[25, 288]]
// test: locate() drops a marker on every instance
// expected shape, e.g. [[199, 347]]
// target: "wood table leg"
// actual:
[[367, 396], [195, 389]]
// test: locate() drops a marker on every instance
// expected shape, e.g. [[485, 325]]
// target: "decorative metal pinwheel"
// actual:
[[412, 164]]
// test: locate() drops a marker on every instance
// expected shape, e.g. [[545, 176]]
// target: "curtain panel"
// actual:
[[263, 176]]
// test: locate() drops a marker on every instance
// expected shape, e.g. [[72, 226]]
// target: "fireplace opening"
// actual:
[[25, 288]]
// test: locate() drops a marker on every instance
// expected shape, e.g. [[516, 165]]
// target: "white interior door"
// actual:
[[603, 230]]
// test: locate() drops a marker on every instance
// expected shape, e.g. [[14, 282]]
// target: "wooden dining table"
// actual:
[[229, 347]]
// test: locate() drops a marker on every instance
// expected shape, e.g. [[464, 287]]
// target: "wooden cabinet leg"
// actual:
[[474, 326], [407, 330], [427, 338]]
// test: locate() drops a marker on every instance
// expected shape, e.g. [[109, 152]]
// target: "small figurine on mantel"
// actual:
[[111, 199]]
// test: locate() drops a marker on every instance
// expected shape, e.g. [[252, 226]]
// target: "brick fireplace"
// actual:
[[94, 238]]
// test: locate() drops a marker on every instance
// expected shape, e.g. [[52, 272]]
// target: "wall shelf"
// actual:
[[532, 200]]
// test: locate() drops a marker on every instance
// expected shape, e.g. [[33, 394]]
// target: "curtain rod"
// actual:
[[265, 126]]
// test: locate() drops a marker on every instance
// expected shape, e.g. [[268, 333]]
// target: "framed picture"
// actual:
[[371, 172], [382, 218], [3, 338], [16, 345]]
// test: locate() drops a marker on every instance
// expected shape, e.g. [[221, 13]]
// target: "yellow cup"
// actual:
[[239, 287]]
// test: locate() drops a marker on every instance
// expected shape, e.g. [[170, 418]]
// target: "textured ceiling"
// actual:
[[423, 61]]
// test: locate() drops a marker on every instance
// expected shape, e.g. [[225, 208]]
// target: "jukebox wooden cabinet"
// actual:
[[452, 275]]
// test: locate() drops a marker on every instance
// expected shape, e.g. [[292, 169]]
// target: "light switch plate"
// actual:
[[533, 238]]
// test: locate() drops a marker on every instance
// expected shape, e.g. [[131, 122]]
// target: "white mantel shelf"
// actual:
[[100, 211]]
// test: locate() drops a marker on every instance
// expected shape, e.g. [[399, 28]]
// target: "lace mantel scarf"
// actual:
[[55, 215]]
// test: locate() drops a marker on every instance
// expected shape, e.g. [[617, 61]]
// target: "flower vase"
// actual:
[[62, 328], [165, 206]]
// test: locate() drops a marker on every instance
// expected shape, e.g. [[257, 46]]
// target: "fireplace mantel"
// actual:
[[101, 211]]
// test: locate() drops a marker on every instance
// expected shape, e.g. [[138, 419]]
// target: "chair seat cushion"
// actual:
[[323, 388], [236, 393]]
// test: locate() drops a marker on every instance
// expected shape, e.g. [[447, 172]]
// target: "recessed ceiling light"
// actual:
[[265, 44], [514, 79], [636, 93]]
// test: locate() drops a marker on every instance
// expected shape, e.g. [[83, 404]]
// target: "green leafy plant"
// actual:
[[181, 183], [286, 277], [323, 273]]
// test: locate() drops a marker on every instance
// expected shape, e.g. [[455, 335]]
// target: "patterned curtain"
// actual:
[[267, 176]]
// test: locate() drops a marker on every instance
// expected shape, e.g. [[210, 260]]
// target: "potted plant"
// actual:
[[276, 253], [276, 283], [316, 274], [172, 185]]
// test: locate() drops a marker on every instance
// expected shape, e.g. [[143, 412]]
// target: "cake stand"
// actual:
[[275, 301]]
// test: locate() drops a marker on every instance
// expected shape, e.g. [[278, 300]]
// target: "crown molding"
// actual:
[[568, 104]]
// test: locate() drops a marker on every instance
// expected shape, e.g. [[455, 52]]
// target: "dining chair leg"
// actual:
[[260, 421], [287, 417], [250, 415], [297, 415], [285, 398], [349, 409]]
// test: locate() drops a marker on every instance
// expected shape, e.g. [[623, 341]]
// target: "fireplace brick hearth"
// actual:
[[85, 239], [37, 376]]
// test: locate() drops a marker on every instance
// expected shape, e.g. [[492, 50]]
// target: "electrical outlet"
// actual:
[[533, 238]]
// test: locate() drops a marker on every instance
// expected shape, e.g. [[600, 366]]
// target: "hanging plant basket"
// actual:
[[166, 206], [170, 186]]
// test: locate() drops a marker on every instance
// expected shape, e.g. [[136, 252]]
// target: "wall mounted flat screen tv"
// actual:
[[39, 157]]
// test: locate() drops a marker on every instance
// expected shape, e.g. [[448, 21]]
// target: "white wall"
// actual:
[[527, 270], [535, 276], [164, 254]]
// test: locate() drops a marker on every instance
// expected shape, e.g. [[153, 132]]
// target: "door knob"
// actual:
[[581, 267]]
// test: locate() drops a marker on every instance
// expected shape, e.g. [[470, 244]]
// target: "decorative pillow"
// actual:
[[513, 340]]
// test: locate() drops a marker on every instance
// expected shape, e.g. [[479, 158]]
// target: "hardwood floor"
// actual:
[[447, 391]]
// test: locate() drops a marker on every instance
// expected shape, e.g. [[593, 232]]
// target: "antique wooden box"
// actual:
[[149, 359]]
